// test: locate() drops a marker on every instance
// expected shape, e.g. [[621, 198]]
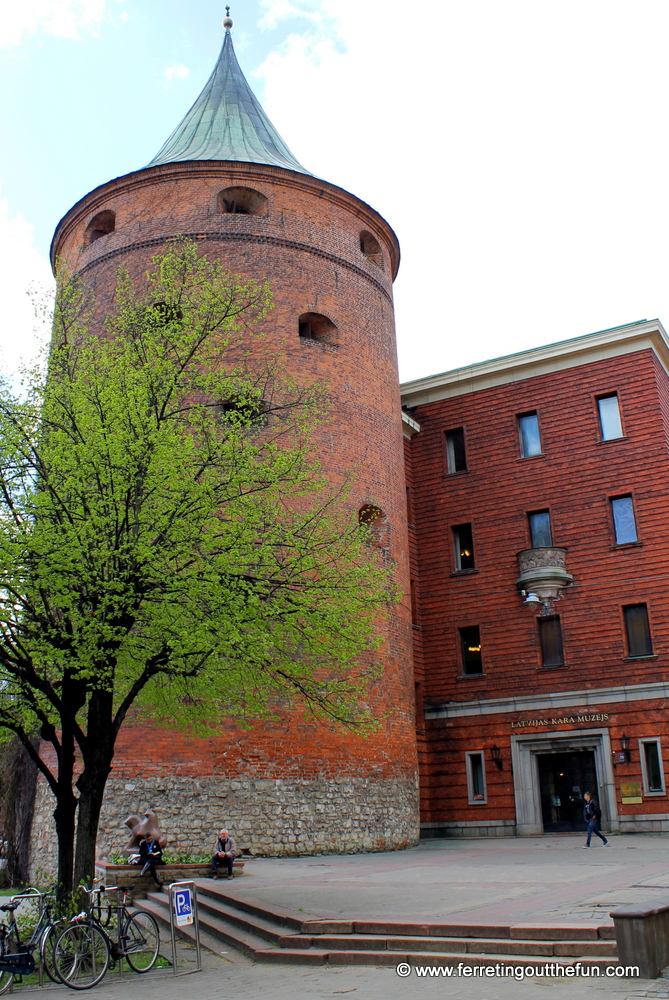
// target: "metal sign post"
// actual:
[[183, 912]]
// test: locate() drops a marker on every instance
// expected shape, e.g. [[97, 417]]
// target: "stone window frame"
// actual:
[[654, 792], [470, 778]]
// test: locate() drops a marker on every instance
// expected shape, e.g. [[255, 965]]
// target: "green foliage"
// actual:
[[168, 541], [178, 855]]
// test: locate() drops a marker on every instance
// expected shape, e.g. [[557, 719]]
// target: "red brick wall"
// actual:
[[308, 246], [574, 477]]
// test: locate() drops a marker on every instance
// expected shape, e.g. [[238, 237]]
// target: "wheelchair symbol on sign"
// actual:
[[183, 907]]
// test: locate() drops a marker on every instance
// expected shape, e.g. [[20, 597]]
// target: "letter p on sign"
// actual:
[[183, 907]]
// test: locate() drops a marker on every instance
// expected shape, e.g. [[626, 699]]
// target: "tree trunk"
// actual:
[[63, 814], [18, 785], [91, 785]]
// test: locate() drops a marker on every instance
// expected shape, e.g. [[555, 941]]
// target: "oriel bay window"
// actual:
[[470, 648], [637, 628], [464, 547]]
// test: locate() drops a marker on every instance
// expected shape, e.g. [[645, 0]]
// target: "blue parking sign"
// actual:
[[183, 907]]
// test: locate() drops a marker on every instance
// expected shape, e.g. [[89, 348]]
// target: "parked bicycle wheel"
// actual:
[[81, 956], [6, 944], [46, 947], [142, 941]]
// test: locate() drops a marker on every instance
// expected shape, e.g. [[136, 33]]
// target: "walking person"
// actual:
[[592, 815], [225, 854]]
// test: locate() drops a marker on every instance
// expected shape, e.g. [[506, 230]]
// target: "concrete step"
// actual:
[[271, 934], [320, 957], [276, 914]]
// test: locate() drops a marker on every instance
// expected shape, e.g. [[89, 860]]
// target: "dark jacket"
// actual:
[[155, 855], [591, 810]]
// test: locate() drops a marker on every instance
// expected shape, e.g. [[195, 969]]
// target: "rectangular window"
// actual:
[[609, 417], [540, 529], [651, 765], [550, 635], [470, 643], [528, 429], [624, 524], [456, 459], [476, 778], [638, 630], [464, 547]]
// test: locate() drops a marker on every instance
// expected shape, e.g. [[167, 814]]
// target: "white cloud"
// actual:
[[63, 18], [21, 268], [275, 11], [178, 71], [522, 164]]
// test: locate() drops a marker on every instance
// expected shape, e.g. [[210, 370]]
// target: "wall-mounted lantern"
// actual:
[[496, 755]]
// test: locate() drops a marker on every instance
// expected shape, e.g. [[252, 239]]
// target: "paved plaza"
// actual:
[[544, 880]]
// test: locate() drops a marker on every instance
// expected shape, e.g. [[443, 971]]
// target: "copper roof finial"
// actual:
[[227, 23]]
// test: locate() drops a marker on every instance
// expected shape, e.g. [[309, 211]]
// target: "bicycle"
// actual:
[[84, 950], [16, 956]]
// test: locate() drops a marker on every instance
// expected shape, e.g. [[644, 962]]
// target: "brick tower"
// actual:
[[226, 178]]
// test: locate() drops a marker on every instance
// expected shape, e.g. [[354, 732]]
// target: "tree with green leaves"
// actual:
[[168, 543]]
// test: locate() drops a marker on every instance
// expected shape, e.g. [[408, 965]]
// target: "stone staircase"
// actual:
[[271, 934]]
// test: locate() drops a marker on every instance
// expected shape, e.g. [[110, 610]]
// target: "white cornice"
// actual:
[[409, 425], [555, 701], [647, 334]]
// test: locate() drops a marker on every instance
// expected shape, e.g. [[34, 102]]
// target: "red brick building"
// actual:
[[226, 179], [535, 598], [538, 515]]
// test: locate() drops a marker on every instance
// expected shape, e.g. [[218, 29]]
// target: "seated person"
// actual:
[[226, 852], [150, 855]]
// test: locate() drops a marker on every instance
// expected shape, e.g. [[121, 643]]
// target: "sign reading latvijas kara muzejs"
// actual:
[[584, 718]]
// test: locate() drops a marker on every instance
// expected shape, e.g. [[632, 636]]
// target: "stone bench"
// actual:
[[128, 877], [642, 936]]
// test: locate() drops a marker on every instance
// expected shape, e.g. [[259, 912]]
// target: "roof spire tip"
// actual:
[[227, 23]]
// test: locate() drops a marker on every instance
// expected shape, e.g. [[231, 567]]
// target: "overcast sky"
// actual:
[[520, 149]]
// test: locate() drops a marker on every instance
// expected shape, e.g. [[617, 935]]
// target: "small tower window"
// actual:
[[369, 514], [241, 201], [370, 246], [314, 326], [100, 225]]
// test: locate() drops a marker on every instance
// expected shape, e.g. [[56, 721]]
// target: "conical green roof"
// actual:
[[227, 123]]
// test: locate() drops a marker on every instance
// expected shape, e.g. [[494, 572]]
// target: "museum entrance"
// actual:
[[563, 780]]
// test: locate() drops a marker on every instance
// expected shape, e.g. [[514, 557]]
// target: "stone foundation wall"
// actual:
[[265, 816]]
